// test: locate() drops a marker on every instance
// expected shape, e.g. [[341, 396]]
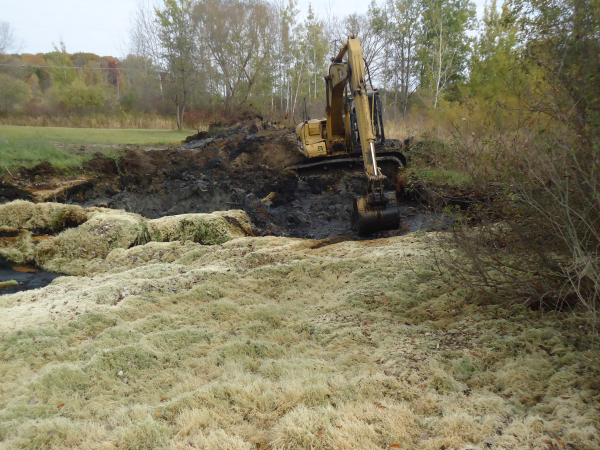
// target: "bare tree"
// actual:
[[441, 62], [7, 37], [402, 26], [239, 36], [177, 34], [144, 33], [165, 37], [446, 44], [144, 41], [372, 43]]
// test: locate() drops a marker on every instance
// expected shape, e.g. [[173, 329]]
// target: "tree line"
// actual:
[[231, 52], [218, 55]]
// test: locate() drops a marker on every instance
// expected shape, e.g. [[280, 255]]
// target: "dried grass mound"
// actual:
[[81, 250], [41, 216], [211, 229], [70, 251], [18, 248], [100, 231]]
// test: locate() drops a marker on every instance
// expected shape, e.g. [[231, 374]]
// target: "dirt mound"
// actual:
[[43, 169], [247, 114], [101, 164], [196, 137]]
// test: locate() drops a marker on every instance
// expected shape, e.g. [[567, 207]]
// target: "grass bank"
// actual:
[[67, 148]]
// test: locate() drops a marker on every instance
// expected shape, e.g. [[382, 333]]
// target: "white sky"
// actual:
[[101, 26]]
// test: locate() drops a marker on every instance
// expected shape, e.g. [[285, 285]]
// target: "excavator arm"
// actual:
[[353, 124], [338, 110], [377, 210], [364, 120]]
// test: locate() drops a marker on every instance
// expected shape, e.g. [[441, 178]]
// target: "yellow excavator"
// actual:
[[353, 125]]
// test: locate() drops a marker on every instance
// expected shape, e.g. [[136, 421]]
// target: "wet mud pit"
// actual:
[[279, 203], [232, 170]]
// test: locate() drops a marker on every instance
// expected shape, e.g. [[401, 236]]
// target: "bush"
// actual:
[[533, 235], [14, 94], [82, 99]]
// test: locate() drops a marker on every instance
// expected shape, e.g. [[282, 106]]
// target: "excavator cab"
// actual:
[[376, 113], [311, 141]]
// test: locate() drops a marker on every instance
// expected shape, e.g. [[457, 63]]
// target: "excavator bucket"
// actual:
[[375, 212]]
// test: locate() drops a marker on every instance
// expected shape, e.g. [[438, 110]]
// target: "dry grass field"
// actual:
[[278, 343]]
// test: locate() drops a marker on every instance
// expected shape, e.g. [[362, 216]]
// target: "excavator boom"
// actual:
[[364, 120]]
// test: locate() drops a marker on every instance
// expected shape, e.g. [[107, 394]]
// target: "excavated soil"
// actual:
[[242, 167]]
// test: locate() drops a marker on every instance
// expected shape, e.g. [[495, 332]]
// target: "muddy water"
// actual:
[[26, 277]]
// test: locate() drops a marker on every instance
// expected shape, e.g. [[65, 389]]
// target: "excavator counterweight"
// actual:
[[352, 131]]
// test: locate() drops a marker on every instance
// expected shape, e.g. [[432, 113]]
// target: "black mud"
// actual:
[[278, 204], [241, 168]]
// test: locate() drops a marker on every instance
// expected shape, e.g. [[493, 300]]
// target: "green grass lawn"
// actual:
[[28, 146]]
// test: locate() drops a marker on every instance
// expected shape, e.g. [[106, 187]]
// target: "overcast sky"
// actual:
[[101, 26]]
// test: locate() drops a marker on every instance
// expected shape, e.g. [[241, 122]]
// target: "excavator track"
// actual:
[[345, 162], [390, 153]]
